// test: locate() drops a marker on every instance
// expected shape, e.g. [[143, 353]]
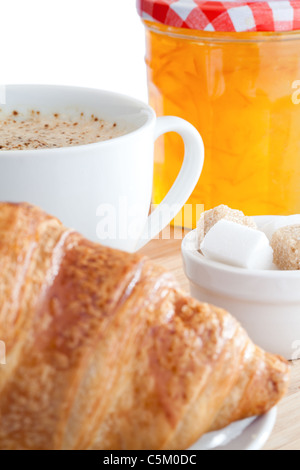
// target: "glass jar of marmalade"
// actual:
[[233, 70]]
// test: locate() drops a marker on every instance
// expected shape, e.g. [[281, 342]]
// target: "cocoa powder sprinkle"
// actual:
[[35, 130]]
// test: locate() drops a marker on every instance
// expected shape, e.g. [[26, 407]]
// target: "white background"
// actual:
[[94, 43]]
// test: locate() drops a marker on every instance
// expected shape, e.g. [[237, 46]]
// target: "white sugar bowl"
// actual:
[[266, 303]]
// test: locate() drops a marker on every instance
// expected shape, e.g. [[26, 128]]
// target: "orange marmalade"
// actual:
[[241, 90]]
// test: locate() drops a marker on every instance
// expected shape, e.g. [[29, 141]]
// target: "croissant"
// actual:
[[104, 351]]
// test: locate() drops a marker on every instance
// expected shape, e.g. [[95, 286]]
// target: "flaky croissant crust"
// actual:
[[104, 351]]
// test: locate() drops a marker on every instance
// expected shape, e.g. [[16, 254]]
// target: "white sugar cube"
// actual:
[[238, 245], [279, 222], [209, 218]]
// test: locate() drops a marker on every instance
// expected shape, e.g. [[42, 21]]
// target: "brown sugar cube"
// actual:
[[209, 218], [286, 246]]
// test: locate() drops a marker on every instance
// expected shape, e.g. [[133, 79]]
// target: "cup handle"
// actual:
[[186, 180]]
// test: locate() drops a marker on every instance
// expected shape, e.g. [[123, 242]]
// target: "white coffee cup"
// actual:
[[102, 190]]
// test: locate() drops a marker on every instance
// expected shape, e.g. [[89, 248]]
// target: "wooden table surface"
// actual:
[[286, 434]]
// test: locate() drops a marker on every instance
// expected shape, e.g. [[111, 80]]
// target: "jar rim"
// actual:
[[223, 36], [230, 16]]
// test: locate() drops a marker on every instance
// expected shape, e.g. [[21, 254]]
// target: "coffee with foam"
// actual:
[[44, 131]]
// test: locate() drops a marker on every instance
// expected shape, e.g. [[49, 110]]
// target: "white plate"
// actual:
[[249, 434]]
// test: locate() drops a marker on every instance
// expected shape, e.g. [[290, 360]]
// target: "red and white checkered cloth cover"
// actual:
[[235, 15]]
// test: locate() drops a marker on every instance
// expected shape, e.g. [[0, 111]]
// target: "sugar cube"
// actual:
[[286, 245], [238, 245], [278, 222], [209, 218]]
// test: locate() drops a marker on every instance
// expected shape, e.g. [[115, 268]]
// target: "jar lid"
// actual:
[[232, 16]]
